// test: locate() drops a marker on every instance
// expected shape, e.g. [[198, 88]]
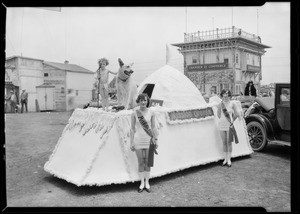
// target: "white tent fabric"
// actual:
[[94, 148], [174, 88]]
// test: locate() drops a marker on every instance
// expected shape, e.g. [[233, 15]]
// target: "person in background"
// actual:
[[8, 102], [102, 77], [143, 132], [271, 93], [214, 97], [13, 101], [250, 90], [227, 113], [206, 97], [285, 95], [24, 100]]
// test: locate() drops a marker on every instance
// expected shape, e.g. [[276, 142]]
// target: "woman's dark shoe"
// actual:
[[140, 190], [224, 164], [148, 189]]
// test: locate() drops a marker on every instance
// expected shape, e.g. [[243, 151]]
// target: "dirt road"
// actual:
[[259, 180]]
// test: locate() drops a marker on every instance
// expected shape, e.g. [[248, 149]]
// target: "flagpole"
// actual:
[[167, 53], [257, 22], [232, 16], [186, 19], [21, 32]]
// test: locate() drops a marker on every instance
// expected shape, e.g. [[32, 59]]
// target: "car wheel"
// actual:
[[257, 136]]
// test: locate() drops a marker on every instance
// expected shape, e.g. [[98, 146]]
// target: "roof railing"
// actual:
[[220, 34]]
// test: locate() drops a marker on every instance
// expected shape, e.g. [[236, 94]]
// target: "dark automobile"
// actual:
[[268, 119], [246, 101]]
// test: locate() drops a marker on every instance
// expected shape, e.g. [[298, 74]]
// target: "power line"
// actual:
[[232, 16], [21, 32], [12, 46], [66, 34], [138, 65], [185, 19], [50, 35], [257, 23], [179, 64]]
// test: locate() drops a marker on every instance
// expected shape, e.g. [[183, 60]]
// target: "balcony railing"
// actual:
[[220, 34]]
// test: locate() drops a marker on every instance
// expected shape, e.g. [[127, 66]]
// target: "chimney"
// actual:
[[66, 62]]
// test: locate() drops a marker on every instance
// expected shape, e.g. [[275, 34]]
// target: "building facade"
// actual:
[[73, 84], [222, 59], [23, 73], [50, 85]]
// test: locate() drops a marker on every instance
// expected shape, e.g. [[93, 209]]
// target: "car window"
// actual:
[[285, 96]]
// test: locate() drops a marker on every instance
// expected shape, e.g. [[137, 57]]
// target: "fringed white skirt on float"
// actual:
[[94, 148]]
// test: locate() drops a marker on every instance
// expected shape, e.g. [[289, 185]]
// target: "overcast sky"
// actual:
[[140, 34]]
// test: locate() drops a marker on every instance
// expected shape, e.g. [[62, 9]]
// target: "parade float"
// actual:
[[94, 148]]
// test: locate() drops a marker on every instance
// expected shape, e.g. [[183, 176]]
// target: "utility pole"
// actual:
[[257, 22], [232, 16], [186, 20]]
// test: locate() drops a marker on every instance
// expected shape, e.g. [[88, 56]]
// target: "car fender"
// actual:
[[264, 122]]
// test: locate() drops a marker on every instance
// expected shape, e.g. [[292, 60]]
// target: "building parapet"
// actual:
[[232, 32]]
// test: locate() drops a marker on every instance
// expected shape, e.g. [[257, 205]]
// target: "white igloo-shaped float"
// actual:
[[94, 148]]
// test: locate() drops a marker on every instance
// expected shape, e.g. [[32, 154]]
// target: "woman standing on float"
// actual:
[[227, 112], [143, 138]]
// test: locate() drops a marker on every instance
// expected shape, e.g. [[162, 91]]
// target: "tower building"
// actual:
[[222, 59]]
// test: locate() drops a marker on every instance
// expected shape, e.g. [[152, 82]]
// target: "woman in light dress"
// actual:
[[224, 124], [140, 140]]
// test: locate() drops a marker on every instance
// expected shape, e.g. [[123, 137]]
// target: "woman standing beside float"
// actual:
[[227, 112], [143, 139]]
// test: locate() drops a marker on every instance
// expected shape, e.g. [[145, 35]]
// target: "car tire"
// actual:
[[257, 136]]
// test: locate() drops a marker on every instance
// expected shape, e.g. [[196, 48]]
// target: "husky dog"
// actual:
[[126, 87]]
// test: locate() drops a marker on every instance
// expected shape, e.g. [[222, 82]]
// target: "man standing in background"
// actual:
[[24, 99], [13, 101], [8, 102]]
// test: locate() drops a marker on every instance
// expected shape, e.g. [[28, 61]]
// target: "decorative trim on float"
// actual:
[[103, 138], [164, 173], [124, 136], [80, 119], [54, 151], [247, 136], [189, 115], [86, 123], [160, 119]]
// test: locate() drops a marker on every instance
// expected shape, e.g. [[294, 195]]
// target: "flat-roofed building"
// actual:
[[50, 85], [222, 59]]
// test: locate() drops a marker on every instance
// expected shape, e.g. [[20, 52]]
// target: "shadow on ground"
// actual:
[[278, 150], [113, 188]]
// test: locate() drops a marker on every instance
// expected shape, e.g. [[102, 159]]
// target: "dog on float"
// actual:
[[126, 88]]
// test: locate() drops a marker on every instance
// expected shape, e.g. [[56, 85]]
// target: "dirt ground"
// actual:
[[256, 180]]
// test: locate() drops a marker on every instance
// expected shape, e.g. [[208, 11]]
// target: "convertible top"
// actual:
[[266, 102]]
